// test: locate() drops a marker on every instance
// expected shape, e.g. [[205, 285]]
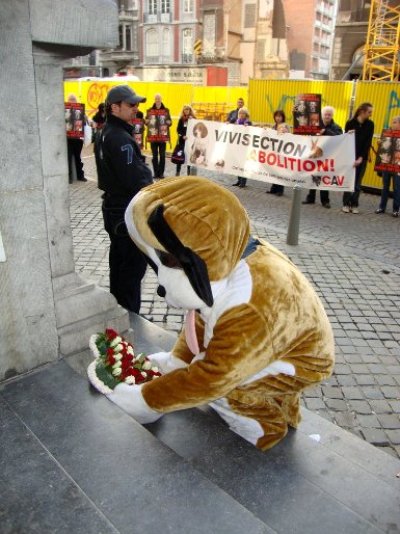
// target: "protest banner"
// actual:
[[310, 162], [74, 119], [307, 114], [157, 127], [388, 155], [138, 129]]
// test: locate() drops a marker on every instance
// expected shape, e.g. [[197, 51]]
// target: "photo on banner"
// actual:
[[157, 127]]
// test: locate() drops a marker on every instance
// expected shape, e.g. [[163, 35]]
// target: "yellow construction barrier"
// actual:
[[262, 97]]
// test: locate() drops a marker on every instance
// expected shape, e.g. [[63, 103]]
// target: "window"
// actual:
[[128, 38], [187, 46], [152, 7], [188, 6], [209, 34], [151, 43], [249, 15], [165, 6], [166, 43]]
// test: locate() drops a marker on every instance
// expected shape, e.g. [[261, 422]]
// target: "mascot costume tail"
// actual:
[[256, 333]]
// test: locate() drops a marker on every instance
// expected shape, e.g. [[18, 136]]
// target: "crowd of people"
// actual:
[[118, 136]]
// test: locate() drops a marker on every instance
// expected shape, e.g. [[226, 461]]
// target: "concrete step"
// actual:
[[73, 462]]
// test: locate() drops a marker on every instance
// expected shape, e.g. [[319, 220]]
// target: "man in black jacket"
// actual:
[[363, 129], [121, 174], [234, 114], [329, 128]]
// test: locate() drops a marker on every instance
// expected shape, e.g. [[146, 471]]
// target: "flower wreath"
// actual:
[[116, 362]]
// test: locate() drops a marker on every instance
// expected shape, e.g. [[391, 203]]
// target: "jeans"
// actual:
[[386, 178], [351, 198], [127, 263], [158, 152]]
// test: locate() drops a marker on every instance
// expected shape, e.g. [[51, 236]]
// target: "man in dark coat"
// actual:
[[121, 174]]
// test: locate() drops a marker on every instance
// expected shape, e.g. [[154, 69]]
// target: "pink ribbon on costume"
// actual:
[[190, 332]]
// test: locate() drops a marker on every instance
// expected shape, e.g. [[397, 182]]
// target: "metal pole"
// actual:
[[294, 219]]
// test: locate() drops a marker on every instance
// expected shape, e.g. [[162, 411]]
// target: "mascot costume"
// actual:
[[256, 333]]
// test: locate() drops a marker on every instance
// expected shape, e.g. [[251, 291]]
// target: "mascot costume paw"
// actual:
[[256, 333]]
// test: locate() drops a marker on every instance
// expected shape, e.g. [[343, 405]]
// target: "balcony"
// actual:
[[162, 18]]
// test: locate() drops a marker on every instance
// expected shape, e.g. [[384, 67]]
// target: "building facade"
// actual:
[[311, 25]]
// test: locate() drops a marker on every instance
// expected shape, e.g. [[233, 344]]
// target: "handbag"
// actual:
[[178, 155]]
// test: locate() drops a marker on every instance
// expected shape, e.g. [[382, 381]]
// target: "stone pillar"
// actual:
[[47, 310]]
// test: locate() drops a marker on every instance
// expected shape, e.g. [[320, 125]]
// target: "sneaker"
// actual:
[[355, 210], [396, 214], [379, 210], [346, 209], [326, 205]]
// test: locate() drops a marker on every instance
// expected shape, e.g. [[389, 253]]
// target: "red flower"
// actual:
[[110, 352], [111, 360], [111, 334]]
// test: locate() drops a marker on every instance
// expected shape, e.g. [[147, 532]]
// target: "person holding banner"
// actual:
[[387, 176], [244, 120], [75, 142], [329, 128], [363, 129], [279, 118], [234, 114], [158, 121]]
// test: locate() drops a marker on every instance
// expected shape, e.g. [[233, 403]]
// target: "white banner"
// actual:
[[310, 162]]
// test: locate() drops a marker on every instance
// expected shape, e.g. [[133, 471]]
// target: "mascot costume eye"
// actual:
[[256, 333]]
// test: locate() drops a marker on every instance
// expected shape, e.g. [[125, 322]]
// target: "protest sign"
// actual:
[[74, 119], [310, 162], [307, 114], [157, 127], [388, 156], [138, 129]]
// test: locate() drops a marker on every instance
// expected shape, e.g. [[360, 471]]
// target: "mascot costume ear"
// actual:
[[193, 266], [258, 334]]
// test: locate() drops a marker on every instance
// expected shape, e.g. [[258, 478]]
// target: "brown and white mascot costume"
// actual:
[[256, 333]]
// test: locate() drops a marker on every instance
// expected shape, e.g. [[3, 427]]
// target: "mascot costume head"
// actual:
[[256, 333]]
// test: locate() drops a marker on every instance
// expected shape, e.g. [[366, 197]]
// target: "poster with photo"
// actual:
[[157, 127], [307, 114], [138, 130], [74, 119], [388, 156]]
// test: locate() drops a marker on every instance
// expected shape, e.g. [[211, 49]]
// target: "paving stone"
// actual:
[[368, 421], [375, 436], [351, 392], [394, 436], [360, 407], [365, 380], [372, 392], [380, 406], [389, 421], [332, 392]]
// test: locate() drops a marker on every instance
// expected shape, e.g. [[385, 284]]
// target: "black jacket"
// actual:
[[332, 129], [233, 116], [121, 170], [363, 133]]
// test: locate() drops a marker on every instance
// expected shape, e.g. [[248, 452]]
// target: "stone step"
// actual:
[[71, 461]]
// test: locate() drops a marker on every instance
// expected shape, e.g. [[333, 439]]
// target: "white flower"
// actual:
[[93, 346], [129, 350], [115, 341], [155, 369], [143, 374], [130, 379], [147, 365], [116, 365], [118, 356], [118, 348], [117, 371]]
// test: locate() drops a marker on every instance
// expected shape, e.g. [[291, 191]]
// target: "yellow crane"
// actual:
[[382, 49]]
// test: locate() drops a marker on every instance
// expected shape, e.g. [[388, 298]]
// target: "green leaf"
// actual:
[[106, 376]]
